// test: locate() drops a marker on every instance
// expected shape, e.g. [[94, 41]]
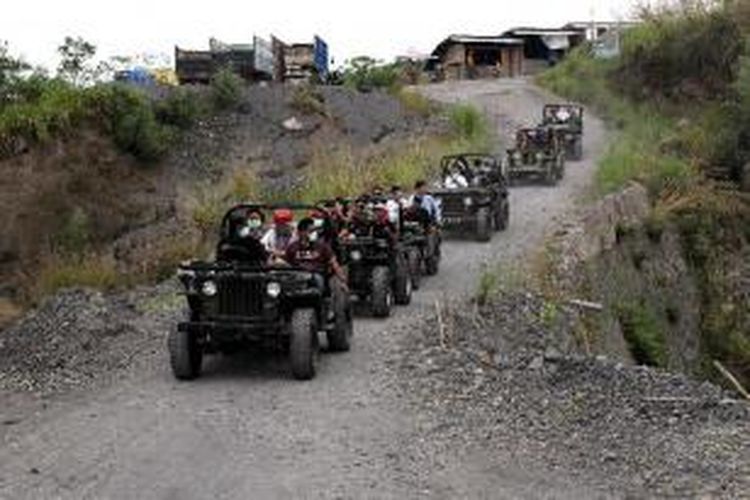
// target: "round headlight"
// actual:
[[356, 255], [209, 288], [468, 201], [273, 289]]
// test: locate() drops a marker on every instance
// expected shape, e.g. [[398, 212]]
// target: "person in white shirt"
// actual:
[[277, 239]]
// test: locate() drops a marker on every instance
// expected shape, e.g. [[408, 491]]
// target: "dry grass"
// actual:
[[207, 203], [308, 100], [101, 271], [346, 173], [9, 312], [415, 103], [91, 271], [701, 196]]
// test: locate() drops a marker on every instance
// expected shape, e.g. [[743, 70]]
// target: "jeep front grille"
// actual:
[[240, 297], [453, 204]]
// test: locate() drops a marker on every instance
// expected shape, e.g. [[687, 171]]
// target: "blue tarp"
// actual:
[[321, 57], [137, 76]]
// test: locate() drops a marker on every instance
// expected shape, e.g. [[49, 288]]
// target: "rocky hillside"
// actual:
[[79, 193]]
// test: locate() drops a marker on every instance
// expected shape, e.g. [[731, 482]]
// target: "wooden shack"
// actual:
[[472, 57]]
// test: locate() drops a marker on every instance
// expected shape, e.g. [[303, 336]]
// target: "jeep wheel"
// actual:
[[185, 355], [415, 268], [402, 282], [484, 222], [303, 343], [382, 295], [502, 216], [578, 149], [339, 339], [550, 174]]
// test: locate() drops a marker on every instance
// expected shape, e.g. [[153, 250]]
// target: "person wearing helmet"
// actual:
[[277, 239]]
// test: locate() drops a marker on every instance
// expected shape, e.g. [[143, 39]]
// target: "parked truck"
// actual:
[[306, 61], [252, 62]]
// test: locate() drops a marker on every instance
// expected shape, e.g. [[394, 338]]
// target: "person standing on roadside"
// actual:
[[424, 200]]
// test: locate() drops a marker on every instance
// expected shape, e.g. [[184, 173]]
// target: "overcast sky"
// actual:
[[381, 28]]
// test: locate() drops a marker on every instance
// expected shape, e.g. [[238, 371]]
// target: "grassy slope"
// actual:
[[669, 147]]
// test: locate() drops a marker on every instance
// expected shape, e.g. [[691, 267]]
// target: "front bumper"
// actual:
[[220, 332]]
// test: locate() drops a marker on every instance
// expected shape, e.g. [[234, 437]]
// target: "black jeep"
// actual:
[[377, 261], [473, 194], [240, 301], [538, 153], [567, 120]]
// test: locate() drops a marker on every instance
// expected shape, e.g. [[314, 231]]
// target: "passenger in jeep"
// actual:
[[243, 241], [277, 239], [313, 255]]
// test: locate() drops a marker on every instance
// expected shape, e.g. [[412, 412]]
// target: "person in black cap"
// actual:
[[313, 255]]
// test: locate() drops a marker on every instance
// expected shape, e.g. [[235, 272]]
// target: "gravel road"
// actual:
[[246, 430]]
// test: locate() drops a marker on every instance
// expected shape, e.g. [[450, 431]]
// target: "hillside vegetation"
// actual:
[[120, 183], [678, 97]]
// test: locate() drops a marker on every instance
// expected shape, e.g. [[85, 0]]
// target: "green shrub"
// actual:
[[181, 108], [365, 74], [128, 116], [75, 234], [469, 125], [226, 89], [488, 287], [55, 108], [683, 52], [643, 334]]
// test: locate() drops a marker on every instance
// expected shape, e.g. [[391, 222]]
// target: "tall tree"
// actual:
[[10, 69], [75, 56], [9, 66]]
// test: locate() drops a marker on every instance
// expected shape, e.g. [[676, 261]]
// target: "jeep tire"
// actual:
[[550, 172], [303, 343], [483, 224], [402, 283], [578, 149], [415, 268], [502, 216], [185, 354], [339, 339], [381, 296]]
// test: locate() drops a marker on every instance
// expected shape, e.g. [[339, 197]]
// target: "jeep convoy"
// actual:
[[279, 285]]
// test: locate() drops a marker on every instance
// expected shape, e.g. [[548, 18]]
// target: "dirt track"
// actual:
[[245, 430]]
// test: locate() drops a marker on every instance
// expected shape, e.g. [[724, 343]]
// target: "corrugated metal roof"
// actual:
[[485, 39], [541, 32]]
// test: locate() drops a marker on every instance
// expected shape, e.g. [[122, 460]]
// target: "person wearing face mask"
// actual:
[[280, 236], [253, 225], [313, 255], [242, 243]]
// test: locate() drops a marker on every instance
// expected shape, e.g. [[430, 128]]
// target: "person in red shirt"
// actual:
[[311, 254]]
